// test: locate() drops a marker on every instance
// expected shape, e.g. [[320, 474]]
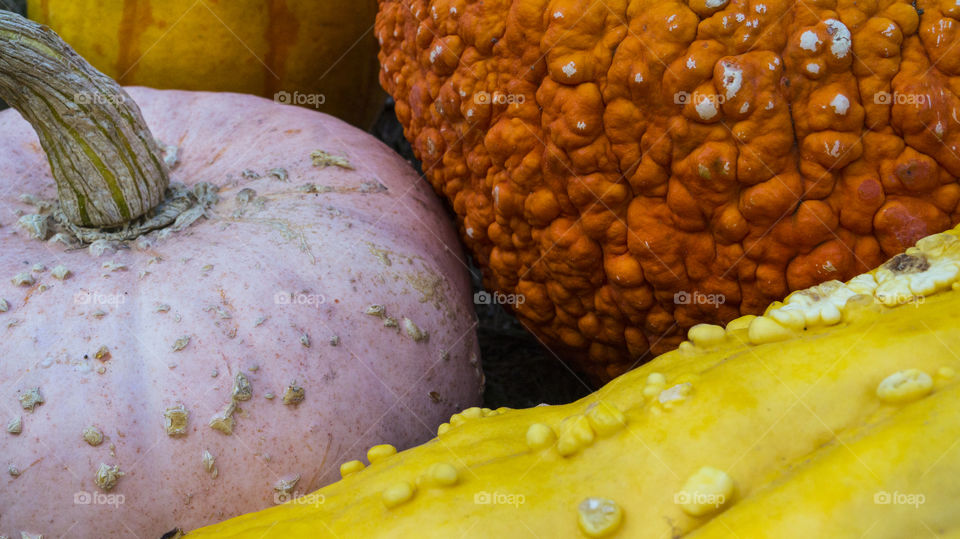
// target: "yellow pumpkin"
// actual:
[[317, 54], [832, 415]]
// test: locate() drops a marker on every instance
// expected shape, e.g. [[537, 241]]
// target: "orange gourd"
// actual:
[[632, 169]]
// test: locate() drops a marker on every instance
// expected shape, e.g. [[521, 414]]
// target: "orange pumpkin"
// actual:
[[316, 54], [633, 168]]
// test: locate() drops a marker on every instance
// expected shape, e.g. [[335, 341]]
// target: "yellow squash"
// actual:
[[319, 54], [835, 414]]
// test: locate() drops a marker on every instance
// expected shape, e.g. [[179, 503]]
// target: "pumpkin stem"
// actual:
[[103, 157]]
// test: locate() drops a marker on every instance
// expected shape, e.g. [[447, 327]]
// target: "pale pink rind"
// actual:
[[372, 386]]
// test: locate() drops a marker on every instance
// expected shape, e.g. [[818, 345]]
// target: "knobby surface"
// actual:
[[635, 168], [520, 371]]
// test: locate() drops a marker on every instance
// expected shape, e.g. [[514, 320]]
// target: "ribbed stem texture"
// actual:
[[104, 159]]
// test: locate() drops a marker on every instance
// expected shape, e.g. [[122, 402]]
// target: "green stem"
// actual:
[[102, 155]]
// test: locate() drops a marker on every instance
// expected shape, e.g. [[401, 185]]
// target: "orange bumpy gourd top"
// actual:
[[635, 168]]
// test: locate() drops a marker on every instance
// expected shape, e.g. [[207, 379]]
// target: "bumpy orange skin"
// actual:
[[740, 149]]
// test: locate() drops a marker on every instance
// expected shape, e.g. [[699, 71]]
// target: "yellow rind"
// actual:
[[796, 424]]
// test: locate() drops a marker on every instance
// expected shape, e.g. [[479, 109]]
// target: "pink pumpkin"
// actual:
[[339, 294]]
